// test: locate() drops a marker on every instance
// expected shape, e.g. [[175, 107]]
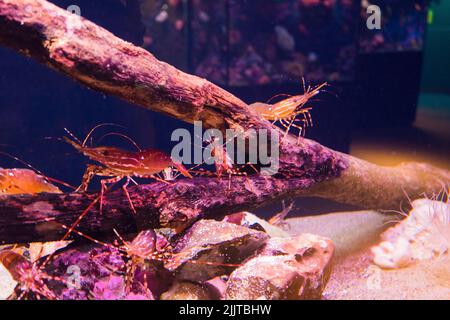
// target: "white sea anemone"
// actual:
[[423, 234]]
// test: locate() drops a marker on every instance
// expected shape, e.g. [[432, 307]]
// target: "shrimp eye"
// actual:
[[105, 153], [142, 157]]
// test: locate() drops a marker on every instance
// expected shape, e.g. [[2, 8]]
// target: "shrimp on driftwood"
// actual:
[[223, 162], [118, 164], [287, 111]]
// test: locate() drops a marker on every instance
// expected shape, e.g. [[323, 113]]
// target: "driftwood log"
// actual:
[[95, 57]]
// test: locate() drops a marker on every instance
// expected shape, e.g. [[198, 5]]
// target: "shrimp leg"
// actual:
[[90, 172], [124, 188], [104, 183]]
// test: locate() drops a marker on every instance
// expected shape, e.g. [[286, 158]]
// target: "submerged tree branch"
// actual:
[[39, 217], [96, 58]]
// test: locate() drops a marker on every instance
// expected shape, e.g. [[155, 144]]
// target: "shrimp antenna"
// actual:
[[278, 95], [120, 237], [36, 170], [96, 127], [325, 84], [72, 135], [53, 138], [304, 84], [319, 87], [121, 135], [334, 94], [22, 162], [407, 196]]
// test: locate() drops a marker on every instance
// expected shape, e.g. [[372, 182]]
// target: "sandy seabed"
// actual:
[[354, 276]]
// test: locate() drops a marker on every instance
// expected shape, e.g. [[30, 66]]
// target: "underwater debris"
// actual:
[[279, 218], [251, 221], [424, 234]]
